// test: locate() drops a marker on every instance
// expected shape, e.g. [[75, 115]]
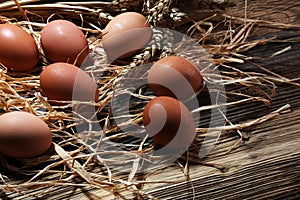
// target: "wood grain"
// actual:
[[268, 166], [276, 11]]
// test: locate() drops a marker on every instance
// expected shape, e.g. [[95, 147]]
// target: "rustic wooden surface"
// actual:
[[268, 165], [265, 167]]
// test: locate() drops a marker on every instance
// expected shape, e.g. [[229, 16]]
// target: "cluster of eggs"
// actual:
[[25, 135], [64, 45], [167, 120]]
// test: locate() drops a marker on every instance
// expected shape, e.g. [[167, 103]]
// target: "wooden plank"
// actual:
[[276, 11], [268, 166], [271, 10]]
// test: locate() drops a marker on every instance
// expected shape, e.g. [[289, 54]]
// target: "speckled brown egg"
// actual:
[[65, 82], [23, 135], [168, 122], [63, 41], [126, 34], [174, 76], [18, 50]]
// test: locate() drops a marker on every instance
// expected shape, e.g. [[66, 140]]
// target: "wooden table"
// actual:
[[267, 166]]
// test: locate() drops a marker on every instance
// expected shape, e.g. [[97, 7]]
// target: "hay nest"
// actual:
[[76, 154]]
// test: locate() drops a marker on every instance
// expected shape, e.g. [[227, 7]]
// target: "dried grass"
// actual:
[[72, 156]]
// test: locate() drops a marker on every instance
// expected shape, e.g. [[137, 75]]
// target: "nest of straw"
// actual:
[[72, 157]]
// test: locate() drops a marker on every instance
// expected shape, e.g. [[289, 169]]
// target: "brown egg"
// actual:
[[18, 50], [174, 76], [169, 122], [63, 41], [65, 82], [126, 34], [23, 135]]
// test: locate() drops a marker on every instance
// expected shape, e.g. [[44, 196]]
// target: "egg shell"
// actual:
[[169, 123], [23, 135], [174, 76], [63, 41], [18, 49], [66, 82], [126, 34]]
